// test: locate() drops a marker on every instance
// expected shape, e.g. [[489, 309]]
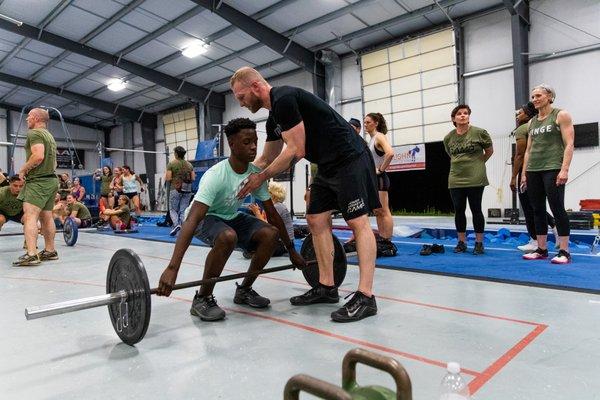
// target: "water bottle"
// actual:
[[454, 386]]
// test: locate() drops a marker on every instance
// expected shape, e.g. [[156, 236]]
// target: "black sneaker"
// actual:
[[478, 250], [27, 261], [359, 307], [319, 294], [247, 295], [438, 248], [248, 254], [461, 247], [175, 230], [47, 255], [206, 308]]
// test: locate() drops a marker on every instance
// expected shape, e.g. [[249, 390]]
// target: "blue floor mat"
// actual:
[[500, 263]]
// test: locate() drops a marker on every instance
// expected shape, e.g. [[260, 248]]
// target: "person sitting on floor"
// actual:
[[78, 212], [120, 216], [213, 217], [277, 192], [11, 209]]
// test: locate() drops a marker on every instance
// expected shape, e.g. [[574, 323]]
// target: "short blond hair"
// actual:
[[246, 75], [277, 192]]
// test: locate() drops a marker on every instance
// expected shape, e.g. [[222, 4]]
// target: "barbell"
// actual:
[[128, 291], [70, 232]]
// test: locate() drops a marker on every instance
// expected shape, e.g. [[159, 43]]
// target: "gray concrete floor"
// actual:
[[514, 342]]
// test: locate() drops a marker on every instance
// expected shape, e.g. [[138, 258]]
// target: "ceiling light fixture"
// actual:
[[195, 49], [116, 84]]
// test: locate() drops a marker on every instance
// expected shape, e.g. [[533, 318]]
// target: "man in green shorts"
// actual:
[[11, 209], [78, 212], [41, 184]]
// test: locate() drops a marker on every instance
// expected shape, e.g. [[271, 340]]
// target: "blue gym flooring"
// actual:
[[501, 262]]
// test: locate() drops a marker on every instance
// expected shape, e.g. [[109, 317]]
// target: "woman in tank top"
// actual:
[[77, 190], [546, 170], [130, 187], [375, 125]]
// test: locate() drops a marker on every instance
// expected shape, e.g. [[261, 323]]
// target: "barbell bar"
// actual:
[[128, 291]]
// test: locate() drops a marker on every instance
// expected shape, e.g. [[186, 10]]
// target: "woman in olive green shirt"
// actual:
[[546, 170], [469, 147]]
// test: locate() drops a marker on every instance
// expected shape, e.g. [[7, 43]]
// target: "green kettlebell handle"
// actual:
[[387, 364], [314, 386]]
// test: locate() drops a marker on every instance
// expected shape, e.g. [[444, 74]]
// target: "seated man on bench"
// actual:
[[214, 218]]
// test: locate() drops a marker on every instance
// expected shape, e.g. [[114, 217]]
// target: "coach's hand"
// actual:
[[253, 181]]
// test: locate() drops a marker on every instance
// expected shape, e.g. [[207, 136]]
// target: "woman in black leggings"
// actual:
[[469, 148], [546, 170]]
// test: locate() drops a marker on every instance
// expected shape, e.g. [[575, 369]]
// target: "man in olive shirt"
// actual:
[[40, 187], [11, 209], [78, 212], [180, 173]]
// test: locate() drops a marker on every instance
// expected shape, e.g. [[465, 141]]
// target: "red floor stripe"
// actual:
[[501, 362]]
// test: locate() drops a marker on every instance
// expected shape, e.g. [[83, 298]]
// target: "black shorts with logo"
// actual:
[[383, 182], [243, 224], [352, 190]]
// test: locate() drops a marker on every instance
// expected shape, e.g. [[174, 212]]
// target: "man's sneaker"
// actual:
[[359, 307], [175, 230], [319, 294], [47, 255], [461, 247], [478, 250], [206, 308], [27, 261], [563, 257], [538, 254], [529, 247], [247, 295], [248, 254]]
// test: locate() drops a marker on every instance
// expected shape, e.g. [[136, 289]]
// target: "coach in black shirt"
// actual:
[[345, 181]]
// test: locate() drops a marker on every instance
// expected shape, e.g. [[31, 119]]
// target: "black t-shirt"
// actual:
[[330, 139]]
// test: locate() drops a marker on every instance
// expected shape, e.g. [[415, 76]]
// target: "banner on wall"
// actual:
[[408, 158], [63, 158]]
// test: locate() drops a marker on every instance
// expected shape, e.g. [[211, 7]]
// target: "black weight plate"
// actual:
[[126, 272], [311, 272], [70, 232]]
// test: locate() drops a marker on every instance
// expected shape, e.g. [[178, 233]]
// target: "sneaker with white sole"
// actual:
[[538, 254], [175, 230], [563, 257], [529, 247]]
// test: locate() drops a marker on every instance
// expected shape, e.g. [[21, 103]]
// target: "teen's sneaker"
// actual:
[[538, 254], [529, 247], [563, 257], [478, 250], [247, 295], [461, 247], [359, 307], [47, 255], [175, 230], [319, 294], [27, 261], [206, 308]]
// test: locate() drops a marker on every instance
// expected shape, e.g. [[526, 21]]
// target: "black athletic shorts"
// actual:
[[14, 218], [383, 182], [131, 195], [351, 190], [243, 224], [85, 223]]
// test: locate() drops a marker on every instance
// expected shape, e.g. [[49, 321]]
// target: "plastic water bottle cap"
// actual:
[[453, 367]]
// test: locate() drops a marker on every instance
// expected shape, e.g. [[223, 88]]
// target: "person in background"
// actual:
[[77, 190], [59, 211], [278, 194], [524, 114], [180, 173], [41, 185], [546, 170], [355, 124], [4, 181], [64, 186], [105, 179], [78, 212], [120, 216], [116, 186], [11, 208], [130, 187], [469, 147]]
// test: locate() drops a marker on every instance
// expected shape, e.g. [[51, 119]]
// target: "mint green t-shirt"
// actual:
[[218, 189]]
